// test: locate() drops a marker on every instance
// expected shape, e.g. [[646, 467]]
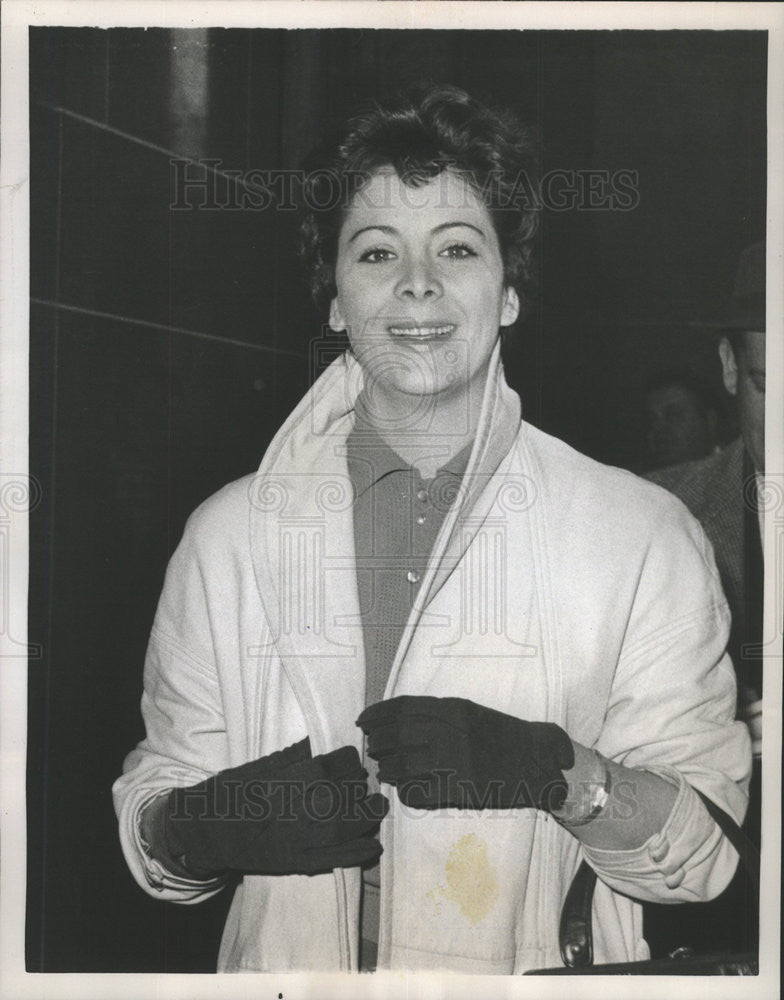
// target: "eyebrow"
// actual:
[[390, 230]]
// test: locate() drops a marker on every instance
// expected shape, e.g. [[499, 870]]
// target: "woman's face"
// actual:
[[420, 288]]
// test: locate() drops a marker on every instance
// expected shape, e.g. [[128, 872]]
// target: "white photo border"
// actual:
[[17, 16]]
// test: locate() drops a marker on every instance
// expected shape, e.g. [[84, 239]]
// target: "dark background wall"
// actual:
[[167, 346]]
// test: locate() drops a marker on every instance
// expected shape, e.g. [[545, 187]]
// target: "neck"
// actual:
[[426, 432]]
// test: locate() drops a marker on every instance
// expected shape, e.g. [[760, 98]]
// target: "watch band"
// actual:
[[599, 798]]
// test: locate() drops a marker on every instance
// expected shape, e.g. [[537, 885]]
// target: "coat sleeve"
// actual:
[[181, 705], [672, 711]]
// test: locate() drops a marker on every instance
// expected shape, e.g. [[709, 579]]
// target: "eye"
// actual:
[[376, 255], [457, 251]]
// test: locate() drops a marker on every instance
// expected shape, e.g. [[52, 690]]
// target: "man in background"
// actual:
[[721, 491], [683, 420]]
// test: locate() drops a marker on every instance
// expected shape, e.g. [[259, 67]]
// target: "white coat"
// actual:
[[558, 589]]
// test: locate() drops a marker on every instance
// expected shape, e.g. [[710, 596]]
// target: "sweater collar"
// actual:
[[370, 458]]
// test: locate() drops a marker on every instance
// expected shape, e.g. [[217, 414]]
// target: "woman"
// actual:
[[532, 643]]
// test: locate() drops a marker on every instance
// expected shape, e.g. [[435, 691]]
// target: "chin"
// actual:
[[393, 375], [431, 388]]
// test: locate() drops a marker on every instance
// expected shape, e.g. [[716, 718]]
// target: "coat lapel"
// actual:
[[302, 547], [499, 423], [302, 542]]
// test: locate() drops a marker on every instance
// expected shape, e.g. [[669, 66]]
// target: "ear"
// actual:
[[511, 307], [336, 321], [729, 366]]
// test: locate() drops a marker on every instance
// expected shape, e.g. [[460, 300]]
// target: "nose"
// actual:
[[418, 281]]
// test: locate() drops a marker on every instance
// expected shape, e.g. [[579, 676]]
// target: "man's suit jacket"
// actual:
[[713, 490]]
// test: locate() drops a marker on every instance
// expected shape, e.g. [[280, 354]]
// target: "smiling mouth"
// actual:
[[422, 332]]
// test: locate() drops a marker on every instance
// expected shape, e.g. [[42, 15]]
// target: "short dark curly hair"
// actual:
[[421, 133]]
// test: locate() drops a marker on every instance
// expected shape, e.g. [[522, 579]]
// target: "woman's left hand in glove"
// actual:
[[454, 752]]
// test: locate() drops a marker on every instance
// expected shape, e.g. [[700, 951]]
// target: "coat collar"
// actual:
[[302, 544]]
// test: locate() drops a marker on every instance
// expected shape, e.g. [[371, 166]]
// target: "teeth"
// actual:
[[420, 331]]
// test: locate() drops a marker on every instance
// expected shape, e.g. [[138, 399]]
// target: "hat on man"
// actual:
[[745, 308]]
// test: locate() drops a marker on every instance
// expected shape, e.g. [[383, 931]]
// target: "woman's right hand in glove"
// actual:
[[288, 813]]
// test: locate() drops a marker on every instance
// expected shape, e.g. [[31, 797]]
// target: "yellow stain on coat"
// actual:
[[472, 882]]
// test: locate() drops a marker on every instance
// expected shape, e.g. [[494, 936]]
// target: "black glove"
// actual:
[[282, 814], [453, 752]]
